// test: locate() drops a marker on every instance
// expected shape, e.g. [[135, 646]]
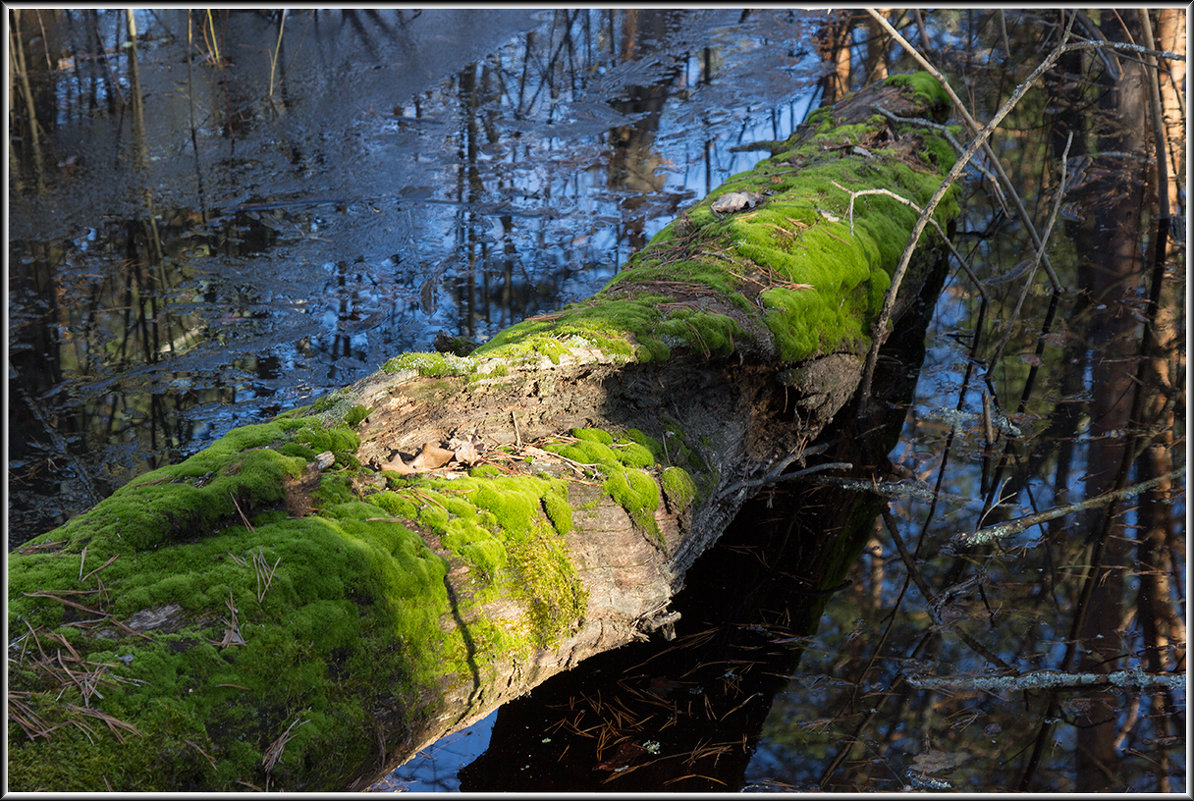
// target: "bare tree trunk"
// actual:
[[1111, 277], [1158, 604], [834, 41]]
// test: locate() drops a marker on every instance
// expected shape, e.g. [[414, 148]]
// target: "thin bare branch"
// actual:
[[996, 532]]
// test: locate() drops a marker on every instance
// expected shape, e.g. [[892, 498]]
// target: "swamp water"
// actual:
[[247, 210]]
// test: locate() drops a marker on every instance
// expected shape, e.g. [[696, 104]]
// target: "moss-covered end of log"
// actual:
[[191, 632], [927, 91]]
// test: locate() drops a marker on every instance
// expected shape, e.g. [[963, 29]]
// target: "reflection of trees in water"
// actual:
[[509, 271], [1092, 390]]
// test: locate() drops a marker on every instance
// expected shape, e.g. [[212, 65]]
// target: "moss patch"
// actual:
[[795, 276], [624, 464], [315, 623]]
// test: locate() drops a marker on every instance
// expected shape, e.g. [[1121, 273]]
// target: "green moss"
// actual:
[[431, 364], [355, 415], [317, 647], [638, 494], [925, 87], [632, 454], [319, 643], [480, 471], [678, 487], [586, 452], [558, 508], [648, 442], [394, 504], [194, 497], [333, 489]]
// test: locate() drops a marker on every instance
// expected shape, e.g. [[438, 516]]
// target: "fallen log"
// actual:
[[310, 601]]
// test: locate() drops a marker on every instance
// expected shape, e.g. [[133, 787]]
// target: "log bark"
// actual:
[[309, 602]]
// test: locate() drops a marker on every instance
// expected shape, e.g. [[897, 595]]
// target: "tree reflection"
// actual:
[[1096, 590]]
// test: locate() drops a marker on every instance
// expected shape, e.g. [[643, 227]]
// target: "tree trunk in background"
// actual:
[[834, 42], [877, 46], [1111, 276], [1161, 548]]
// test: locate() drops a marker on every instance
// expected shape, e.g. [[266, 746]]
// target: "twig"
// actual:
[[1040, 252], [931, 598], [978, 141], [264, 572], [1001, 530], [232, 635], [273, 61], [101, 567], [1050, 679], [114, 724], [974, 127], [274, 752], [248, 525], [948, 134], [774, 477], [936, 225]]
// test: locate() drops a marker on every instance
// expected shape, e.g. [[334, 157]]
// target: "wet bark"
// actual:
[[736, 421]]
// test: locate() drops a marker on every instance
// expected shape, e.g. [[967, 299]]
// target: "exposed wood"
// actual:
[[308, 603]]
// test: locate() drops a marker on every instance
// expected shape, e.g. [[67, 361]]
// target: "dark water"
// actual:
[[273, 224]]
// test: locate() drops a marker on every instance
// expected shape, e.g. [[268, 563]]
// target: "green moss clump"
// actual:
[[633, 454], [638, 494], [925, 87], [678, 487], [355, 415], [650, 443], [245, 468], [558, 508], [593, 435], [620, 462], [431, 364]]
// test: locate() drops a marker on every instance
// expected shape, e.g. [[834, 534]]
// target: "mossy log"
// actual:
[[308, 602]]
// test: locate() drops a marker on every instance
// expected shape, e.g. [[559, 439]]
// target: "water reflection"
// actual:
[[262, 223]]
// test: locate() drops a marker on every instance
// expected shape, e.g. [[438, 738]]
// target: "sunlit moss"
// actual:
[[678, 487], [330, 611], [431, 364], [802, 232]]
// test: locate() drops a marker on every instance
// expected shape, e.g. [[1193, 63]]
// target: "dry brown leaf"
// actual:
[[432, 456]]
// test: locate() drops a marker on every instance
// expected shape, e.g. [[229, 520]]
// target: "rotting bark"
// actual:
[[309, 602]]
